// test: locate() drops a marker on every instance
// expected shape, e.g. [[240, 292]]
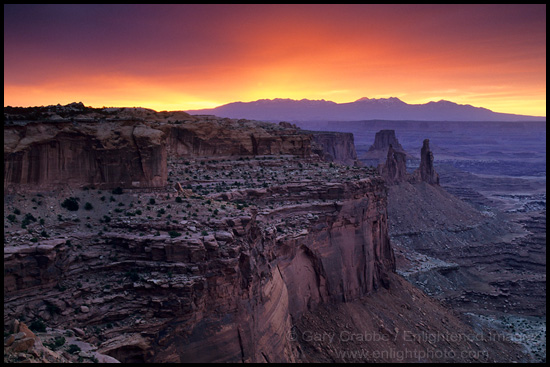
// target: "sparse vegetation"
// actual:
[[117, 191], [174, 234], [70, 204], [37, 325], [73, 349]]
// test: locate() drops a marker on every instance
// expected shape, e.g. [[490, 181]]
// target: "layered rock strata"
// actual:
[[132, 153], [207, 287], [41, 156], [214, 137], [334, 147]]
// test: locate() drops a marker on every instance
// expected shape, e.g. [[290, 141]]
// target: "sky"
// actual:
[[181, 57]]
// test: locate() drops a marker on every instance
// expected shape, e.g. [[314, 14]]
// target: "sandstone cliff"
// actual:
[[40, 156], [75, 146], [334, 147], [229, 287], [213, 137], [383, 139]]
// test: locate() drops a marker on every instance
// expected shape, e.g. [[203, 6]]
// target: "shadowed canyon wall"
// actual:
[[41, 156], [231, 294]]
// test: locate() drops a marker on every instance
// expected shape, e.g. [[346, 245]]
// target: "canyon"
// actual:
[[476, 241], [216, 240]]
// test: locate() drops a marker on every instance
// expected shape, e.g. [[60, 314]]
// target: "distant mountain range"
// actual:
[[363, 109]]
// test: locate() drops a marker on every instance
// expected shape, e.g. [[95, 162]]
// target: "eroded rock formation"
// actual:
[[334, 147], [394, 170], [229, 290], [385, 138], [214, 137], [39, 156], [378, 151], [133, 153], [426, 171]]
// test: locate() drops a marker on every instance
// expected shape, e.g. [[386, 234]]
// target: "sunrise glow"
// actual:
[[179, 57]]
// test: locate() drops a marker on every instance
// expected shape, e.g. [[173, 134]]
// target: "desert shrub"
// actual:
[[88, 206], [174, 234], [70, 204], [179, 199], [151, 201], [117, 191], [37, 325], [73, 349], [29, 218]]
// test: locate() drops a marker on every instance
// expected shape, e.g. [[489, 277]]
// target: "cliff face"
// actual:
[[214, 137], [255, 240], [334, 147], [378, 152], [42, 156], [385, 138], [46, 155], [230, 287]]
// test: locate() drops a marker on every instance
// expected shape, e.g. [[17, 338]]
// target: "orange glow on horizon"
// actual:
[[222, 54]]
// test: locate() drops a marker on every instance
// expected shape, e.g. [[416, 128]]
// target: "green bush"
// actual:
[[37, 325], [117, 191], [88, 206], [70, 204], [174, 234], [73, 349]]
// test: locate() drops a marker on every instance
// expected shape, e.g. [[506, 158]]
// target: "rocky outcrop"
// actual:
[[385, 138], [227, 289], [40, 156], [214, 137], [394, 170], [426, 171], [56, 346], [334, 147], [129, 147], [378, 151]]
